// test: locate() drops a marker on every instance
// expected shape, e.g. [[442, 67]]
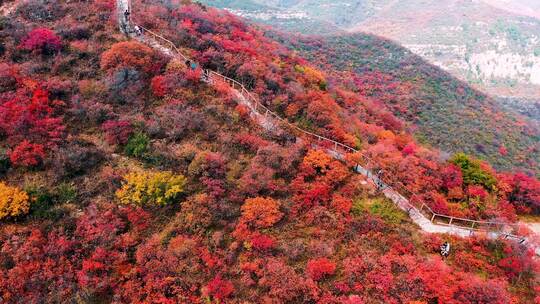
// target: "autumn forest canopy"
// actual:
[[124, 178]]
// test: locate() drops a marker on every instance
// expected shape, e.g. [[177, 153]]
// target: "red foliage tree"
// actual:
[[99, 226], [219, 289], [250, 142], [472, 290], [525, 192], [285, 285], [158, 262], [158, 86], [317, 160], [128, 54], [314, 194], [41, 40], [317, 269], [99, 270], [452, 176], [262, 242], [27, 154], [478, 192], [193, 76], [517, 262], [32, 119], [46, 262], [409, 149], [117, 132], [342, 204], [31, 125], [260, 212], [439, 203]]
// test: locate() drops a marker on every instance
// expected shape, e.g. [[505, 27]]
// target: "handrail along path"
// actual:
[[423, 215]]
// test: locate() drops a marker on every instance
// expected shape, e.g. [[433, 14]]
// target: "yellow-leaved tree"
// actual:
[[151, 188], [13, 201]]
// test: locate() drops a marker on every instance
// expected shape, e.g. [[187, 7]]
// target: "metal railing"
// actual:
[[339, 148]]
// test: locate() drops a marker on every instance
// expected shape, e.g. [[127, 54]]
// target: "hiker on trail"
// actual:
[[191, 64], [445, 249], [138, 30], [206, 75], [379, 181], [126, 15]]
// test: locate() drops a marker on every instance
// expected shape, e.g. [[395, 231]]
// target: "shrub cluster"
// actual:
[[137, 145], [151, 188], [42, 40], [13, 201]]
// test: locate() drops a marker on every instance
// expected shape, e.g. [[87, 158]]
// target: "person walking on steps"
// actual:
[[138, 30], [206, 75], [445, 249], [191, 64], [379, 181], [126, 15]]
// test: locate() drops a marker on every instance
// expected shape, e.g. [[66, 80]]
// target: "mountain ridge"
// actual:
[[461, 44], [126, 178], [363, 53]]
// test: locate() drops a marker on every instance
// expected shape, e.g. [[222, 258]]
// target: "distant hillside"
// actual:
[[492, 44], [528, 108], [493, 49], [449, 114], [284, 18], [522, 7]]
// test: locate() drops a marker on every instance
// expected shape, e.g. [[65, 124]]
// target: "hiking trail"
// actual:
[[428, 220]]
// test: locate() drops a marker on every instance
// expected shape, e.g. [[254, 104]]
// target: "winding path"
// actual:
[[423, 216]]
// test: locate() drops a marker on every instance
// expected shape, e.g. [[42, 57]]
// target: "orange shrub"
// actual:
[[127, 54], [260, 212], [13, 202], [317, 160]]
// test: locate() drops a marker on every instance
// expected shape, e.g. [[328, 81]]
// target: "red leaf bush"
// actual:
[[27, 154], [317, 269], [31, 125], [117, 132], [41, 40], [219, 288], [262, 242]]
